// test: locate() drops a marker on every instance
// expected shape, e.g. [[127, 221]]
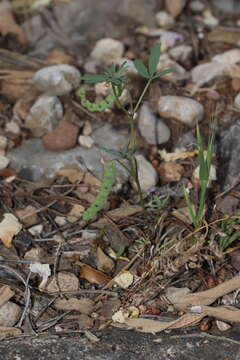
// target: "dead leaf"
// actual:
[[92, 275], [176, 155], [5, 294], [8, 24], [170, 171], [9, 331], [9, 227], [43, 270], [118, 213], [84, 305], [66, 282], [224, 34], [104, 263], [72, 172], [28, 216], [154, 326], [77, 211]]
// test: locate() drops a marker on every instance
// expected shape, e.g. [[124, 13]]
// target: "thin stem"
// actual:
[[142, 96]]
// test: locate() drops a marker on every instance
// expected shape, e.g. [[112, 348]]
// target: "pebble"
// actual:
[[9, 313], [163, 18], [107, 51], [175, 7], [203, 73], [228, 57], [181, 108], [57, 79], [196, 6], [3, 142], [148, 176], [4, 161], [44, 115], [85, 141], [237, 102], [181, 53], [63, 137], [154, 130]]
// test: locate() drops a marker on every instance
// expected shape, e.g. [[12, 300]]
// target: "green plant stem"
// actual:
[[142, 96]]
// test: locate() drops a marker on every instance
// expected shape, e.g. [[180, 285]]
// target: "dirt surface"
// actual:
[[120, 345]]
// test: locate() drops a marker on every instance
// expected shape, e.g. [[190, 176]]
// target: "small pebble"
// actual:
[[107, 51], [153, 129], [181, 108], [196, 6], [181, 53], [85, 141], [148, 176], [44, 115], [66, 281], [4, 161], [9, 313], [163, 18], [57, 79], [63, 137], [3, 142]]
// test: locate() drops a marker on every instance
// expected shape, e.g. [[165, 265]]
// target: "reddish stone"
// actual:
[[63, 137]]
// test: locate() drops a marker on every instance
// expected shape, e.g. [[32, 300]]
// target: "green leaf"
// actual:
[[154, 59], [141, 69], [163, 72], [122, 69], [112, 151], [94, 78]]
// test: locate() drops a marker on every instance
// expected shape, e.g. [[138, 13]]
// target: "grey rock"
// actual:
[[80, 22], [181, 108], [153, 129], [229, 160], [186, 142], [181, 53], [44, 115], [35, 161], [203, 73], [230, 6], [196, 6], [57, 79], [148, 176], [107, 51]]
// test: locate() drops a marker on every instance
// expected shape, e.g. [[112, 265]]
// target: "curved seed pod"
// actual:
[[109, 177]]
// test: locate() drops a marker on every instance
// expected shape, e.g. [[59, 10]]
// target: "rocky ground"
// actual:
[[102, 283]]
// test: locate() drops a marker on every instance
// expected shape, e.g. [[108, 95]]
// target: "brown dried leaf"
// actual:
[[72, 172], [8, 24], [9, 331], [9, 227], [104, 262], [28, 216], [154, 326], [84, 305], [118, 213], [5, 294], [92, 275]]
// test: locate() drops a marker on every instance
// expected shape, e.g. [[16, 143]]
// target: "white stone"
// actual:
[[229, 57], [179, 72], [85, 141], [107, 51], [4, 161], [237, 102], [9, 313], [12, 127], [163, 18], [181, 52], [57, 79], [3, 142], [44, 115], [148, 176], [196, 6], [181, 108], [203, 73], [153, 129]]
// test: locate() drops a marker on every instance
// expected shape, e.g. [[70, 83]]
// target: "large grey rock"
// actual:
[[80, 22], [34, 159]]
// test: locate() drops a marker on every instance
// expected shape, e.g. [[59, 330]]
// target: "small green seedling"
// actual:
[[204, 159], [229, 232], [115, 76]]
